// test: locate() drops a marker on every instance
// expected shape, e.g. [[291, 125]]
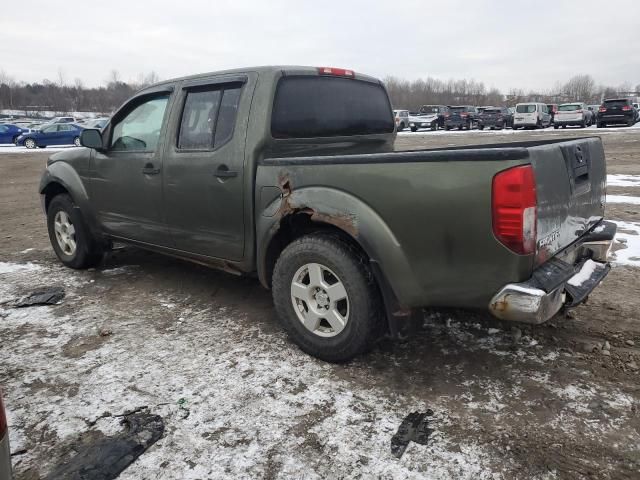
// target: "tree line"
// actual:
[[63, 97], [432, 91]]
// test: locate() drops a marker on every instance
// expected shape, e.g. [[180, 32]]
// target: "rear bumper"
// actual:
[[568, 122], [557, 283], [615, 118]]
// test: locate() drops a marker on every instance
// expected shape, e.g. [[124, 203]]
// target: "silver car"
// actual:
[[5, 452]]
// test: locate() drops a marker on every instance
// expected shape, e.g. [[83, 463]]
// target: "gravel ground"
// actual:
[[203, 350]]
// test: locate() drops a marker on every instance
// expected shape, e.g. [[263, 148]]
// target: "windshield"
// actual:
[[458, 109], [429, 109], [309, 106], [569, 108], [616, 103], [530, 108]]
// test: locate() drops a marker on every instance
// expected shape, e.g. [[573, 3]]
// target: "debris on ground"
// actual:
[[414, 428], [104, 457], [43, 296]]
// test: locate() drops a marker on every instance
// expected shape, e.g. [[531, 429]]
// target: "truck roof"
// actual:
[[285, 69]]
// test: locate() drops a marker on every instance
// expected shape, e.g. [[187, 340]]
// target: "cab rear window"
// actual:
[[309, 106]]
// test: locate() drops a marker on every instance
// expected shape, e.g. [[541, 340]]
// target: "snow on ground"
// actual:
[[628, 240], [623, 180], [623, 199], [238, 400], [10, 148]]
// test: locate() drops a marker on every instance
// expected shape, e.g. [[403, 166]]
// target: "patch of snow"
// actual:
[[628, 235], [9, 267], [623, 199], [585, 273], [623, 180], [27, 250]]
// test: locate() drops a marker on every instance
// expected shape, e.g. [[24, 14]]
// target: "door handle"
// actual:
[[149, 169], [223, 172]]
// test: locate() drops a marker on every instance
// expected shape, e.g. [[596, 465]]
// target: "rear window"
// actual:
[[492, 110], [458, 109], [525, 108], [616, 103], [307, 106], [569, 108]]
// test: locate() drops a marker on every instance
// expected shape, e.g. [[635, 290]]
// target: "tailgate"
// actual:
[[571, 188]]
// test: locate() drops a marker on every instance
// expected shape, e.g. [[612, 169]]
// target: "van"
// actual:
[[402, 119], [531, 115]]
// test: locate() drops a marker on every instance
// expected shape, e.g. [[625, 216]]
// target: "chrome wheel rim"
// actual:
[[29, 143], [65, 233], [320, 300], [76, 141]]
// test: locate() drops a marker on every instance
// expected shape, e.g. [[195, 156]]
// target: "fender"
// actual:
[[353, 217], [65, 175]]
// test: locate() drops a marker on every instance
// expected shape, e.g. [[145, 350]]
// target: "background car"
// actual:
[[10, 133], [617, 111], [95, 123], [531, 115], [461, 116], [56, 134], [552, 108], [575, 113], [5, 452], [440, 110], [62, 120], [423, 120], [494, 117], [402, 119]]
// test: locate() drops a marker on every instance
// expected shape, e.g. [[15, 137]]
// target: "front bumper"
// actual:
[[562, 281]]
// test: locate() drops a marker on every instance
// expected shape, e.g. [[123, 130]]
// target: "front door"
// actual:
[[126, 184], [204, 174]]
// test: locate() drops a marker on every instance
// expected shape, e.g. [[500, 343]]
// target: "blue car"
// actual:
[[52, 134], [9, 133]]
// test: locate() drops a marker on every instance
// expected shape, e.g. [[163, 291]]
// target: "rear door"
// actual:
[[204, 181]]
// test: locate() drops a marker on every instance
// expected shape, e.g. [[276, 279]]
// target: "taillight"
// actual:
[[626, 108], [3, 419], [602, 109], [514, 209], [463, 114], [341, 72], [578, 111], [447, 115]]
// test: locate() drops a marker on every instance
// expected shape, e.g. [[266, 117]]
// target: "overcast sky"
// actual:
[[515, 43]]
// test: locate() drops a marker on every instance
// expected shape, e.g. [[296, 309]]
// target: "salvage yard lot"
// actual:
[[203, 350]]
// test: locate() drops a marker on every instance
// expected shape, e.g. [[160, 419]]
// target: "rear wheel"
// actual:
[[556, 126], [481, 127], [601, 125], [434, 125], [564, 126], [414, 129], [70, 235], [447, 128], [30, 143], [326, 298]]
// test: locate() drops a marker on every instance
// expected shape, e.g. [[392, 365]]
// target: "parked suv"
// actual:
[[494, 117], [439, 110], [531, 115], [573, 114], [617, 111], [461, 116], [401, 118]]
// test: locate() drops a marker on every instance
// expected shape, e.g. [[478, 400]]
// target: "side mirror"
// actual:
[[91, 138]]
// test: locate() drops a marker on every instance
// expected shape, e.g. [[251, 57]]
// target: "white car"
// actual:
[[427, 120], [531, 115], [575, 113], [402, 119]]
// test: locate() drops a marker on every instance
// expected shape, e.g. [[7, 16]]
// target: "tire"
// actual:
[[601, 125], [447, 128], [339, 261], [481, 127], [555, 127], [539, 125], [414, 129], [76, 142], [564, 126], [513, 127], [69, 235], [434, 126], [30, 143]]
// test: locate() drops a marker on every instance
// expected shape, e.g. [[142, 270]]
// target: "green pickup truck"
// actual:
[[290, 173]]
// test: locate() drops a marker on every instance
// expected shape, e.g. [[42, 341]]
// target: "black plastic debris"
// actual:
[[98, 457], [414, 428], [43, 296]]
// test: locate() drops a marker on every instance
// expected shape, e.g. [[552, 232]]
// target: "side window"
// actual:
[[139, 129], [3, 129], [208, 117], [51, 129]]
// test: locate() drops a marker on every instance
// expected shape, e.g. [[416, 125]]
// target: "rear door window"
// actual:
[[319, 106]]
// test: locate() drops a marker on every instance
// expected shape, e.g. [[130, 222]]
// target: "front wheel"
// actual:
[[326, 298], [76, 141], [434, 126], [30, 143], [70, 235]]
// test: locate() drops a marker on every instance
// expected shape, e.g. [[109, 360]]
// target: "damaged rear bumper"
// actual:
[[562, 281]]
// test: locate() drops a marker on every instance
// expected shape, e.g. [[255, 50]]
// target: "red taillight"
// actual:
[[514, 209], [341, 72], [463, 114], [626, 108], [602, 109], [578, 111], [447, 115], [3, 419]]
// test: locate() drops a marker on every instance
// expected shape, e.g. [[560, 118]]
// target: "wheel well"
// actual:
[[51, 191], [295, 226]]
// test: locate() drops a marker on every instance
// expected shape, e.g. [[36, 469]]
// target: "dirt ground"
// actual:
[[203, 350]]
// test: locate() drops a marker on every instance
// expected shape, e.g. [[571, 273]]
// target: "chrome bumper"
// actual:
[[554, 285]]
